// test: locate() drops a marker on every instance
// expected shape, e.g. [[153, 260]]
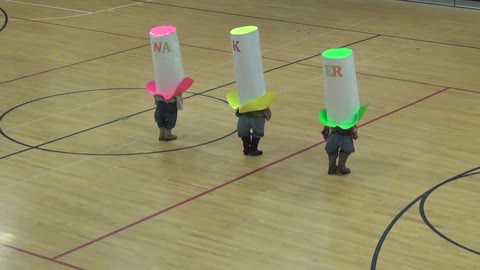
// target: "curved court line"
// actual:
[[404, 210], [30, 147], [433, 228], [5, 22], [29, 179], [38, 147], [201, 93], [188, 200], [26, 123], [85, 13]]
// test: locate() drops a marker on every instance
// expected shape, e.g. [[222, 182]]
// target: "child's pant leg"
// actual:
[[342, 142], [258, 126], [166, 115], [243, 126], [170, 119], [159, 117]]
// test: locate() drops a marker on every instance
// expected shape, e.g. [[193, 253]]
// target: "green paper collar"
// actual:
[[322, 116]]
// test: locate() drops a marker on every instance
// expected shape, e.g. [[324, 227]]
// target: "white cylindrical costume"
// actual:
[[169, 75], [247, 61], [341, 91]]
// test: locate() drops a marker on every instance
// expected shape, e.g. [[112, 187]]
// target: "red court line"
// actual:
[[394, 79], [229, 182], [465, 90], [187, 45], [69, 65], [42, 257], [80, 28], [417, 82]]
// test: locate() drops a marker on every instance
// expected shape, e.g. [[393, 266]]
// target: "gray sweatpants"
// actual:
[[246, 123], [342, 142]]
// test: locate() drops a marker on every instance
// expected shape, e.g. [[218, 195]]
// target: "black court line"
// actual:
[[131, 115], [382, 239], [38, 147], [307, 24], [198, 47], [441, 5], [254, 17], [76, 63], [114, 34], [5, 20], [432, 227]]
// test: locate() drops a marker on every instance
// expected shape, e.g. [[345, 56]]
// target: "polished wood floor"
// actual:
[[84, 183]]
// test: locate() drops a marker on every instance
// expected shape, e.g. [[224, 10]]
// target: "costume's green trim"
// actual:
[[322, 116], [257, 104]]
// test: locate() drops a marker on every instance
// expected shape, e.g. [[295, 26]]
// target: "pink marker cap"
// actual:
[[163, 30]]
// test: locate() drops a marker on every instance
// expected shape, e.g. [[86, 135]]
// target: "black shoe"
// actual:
[[332, 169], [246, 145], [332, 163], [254, 147], [342, 160]]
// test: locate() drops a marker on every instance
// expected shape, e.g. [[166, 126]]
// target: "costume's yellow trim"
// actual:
[[233, 100], [243, 30], [257, 104]]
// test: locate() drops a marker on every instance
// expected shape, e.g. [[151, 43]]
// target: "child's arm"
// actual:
[[268, 113], [157, 98], [326, 132], [355, 132]]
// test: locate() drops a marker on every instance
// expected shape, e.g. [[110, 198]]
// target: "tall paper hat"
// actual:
[[170, 79], [341, 91], [247, 60]]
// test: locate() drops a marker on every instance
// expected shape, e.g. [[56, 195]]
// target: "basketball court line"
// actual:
[[46, 6], [199, 195], [87, 29], [319, 143], [403, 80], [465, 90], [99, 101], [193, 46], [115, 120], [24, 251], [288, 64], [305, 24], [383, 237], [84, 13], [190, 123], [73, 64], [187, 45], [130, 225]]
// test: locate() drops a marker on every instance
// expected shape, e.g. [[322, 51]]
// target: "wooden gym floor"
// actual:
[[84, 183]]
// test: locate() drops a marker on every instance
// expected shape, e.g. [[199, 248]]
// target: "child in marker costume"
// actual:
[[166, 115], [251, 128], [251, 102], [170, 81], [339, 145], [343, 110]]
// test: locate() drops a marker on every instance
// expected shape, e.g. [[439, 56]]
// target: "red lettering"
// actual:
[[337, 71], [157, 46], [235, 46]]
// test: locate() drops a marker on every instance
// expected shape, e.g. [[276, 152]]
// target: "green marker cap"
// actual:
[[337, 53]]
